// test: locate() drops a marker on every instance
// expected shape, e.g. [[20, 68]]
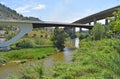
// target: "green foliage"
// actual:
[[25, 43], [115, 22], [59, 38], [39, 40], [98, 31], [32, 71], [7, 13], [83, 36], [10, 36], [3, 60], [94, 60], [30, 53], [42, 41], [13, 77]]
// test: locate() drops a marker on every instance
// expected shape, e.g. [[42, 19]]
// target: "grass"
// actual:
[[30, 53], [93, 60]]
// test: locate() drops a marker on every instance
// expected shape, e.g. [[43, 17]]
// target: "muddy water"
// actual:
[[13, 69], [9, 69]]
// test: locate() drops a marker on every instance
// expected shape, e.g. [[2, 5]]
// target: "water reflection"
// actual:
[[77, 42]]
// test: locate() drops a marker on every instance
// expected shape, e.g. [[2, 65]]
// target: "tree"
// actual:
[[59, 38], [115, 22], [98, 31]]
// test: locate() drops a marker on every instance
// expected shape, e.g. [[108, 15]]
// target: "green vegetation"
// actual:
[[82, 35], [7, 13], [97, 58], [30, 53], [25, 43], [59, 38], [94, 60], [98, 31], [115, 22]]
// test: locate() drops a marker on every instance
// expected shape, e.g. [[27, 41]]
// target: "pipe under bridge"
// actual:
[[26, 26]]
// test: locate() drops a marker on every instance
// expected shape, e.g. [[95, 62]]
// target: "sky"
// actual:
[[59, 10]]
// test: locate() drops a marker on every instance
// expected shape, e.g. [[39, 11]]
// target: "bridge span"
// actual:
[[26, 26], [98, 16]]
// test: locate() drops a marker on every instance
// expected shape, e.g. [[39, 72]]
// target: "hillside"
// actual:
[[8, 14]]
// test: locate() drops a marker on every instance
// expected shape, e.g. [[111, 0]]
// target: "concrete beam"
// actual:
[[100, 15], [24, 28]]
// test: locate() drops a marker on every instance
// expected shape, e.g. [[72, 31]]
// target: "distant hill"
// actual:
[[8, 14]]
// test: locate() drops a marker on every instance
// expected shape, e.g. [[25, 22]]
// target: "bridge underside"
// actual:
[[38, 25]]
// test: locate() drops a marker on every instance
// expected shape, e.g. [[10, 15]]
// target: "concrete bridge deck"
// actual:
[[38, 24], [98, 16]]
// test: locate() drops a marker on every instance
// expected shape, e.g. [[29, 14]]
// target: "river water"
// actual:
[[13, 69]]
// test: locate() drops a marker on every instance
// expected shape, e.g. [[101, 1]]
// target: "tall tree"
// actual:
[[59, 38], [115, 22]]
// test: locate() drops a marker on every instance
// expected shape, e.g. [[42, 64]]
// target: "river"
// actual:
[[13, 69]]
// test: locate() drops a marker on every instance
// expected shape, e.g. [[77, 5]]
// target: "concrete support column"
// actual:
[[80, 29], [24, 28], [94, 20], [73, 32], [89, 23], [106, 21]]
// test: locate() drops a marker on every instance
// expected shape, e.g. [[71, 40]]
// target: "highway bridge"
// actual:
[[26, 26], [98, 16]]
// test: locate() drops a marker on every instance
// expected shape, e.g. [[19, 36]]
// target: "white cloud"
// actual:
[[23, 9], [2, 2], [39, 7]]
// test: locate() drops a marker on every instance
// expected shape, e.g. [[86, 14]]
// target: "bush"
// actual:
[[25, 43], [39, 40], [32, 71], [10, 36], [98, 31], [3, 60], [94, 60]]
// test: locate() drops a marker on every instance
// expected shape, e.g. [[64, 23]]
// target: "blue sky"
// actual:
[[59, 10]]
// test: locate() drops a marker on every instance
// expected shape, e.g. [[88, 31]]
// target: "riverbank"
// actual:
[[94, 60], [22, 55]]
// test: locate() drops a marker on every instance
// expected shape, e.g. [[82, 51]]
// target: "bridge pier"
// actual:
[[89, 23], [73, 34], [24, 28], [80, 29], [106, 21], [94, 20]]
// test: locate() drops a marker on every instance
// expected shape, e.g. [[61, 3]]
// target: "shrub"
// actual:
[[32, 71], [39, 40], [10, 36], [2, 60], [25, 43], [98, 31]]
